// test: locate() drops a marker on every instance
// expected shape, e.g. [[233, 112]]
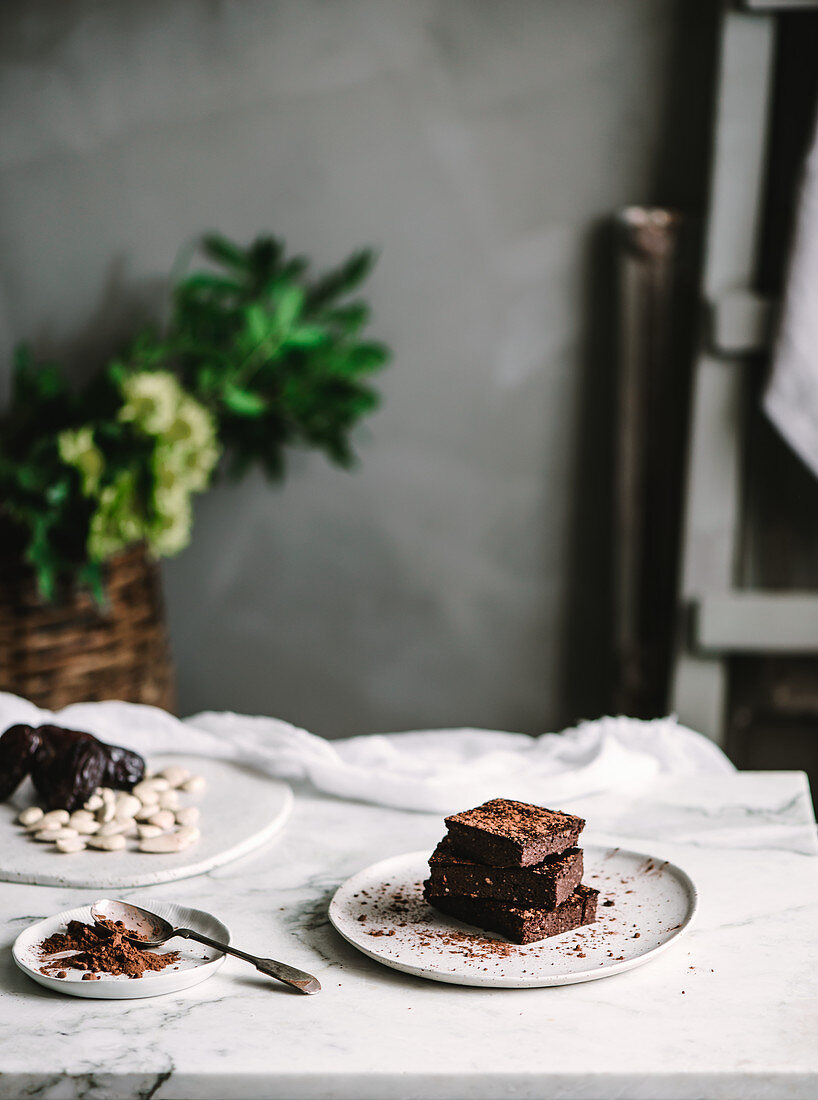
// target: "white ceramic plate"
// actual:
[[240, 810], [197, 962], [382, 912]]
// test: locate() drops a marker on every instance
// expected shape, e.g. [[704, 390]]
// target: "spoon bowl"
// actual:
[[139, 926], [146, 929]]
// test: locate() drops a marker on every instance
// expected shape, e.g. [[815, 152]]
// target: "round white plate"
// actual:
[[382, 912], [240, 810], [196, 964]]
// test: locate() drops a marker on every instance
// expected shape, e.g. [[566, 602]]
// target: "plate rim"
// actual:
[[477, 981], [136, 990]]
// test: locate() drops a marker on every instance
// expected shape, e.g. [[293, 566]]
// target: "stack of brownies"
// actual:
[[512, 868]]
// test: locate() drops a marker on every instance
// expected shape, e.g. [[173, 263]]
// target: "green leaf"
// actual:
[[351, 318], [216, 284], [35, 382], [91, 576], [243, 402], [258, 323], [264, 256], [307, 336], [295, 269], [343, 279], [58, 492], [117, 372], [288, 307], [29, 476], [41, 557], [368, 357], [224, 251]]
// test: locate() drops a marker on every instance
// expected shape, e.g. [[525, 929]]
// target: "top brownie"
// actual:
[[504, 833]]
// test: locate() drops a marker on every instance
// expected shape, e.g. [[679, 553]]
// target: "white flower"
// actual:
[[170, 500], [192, 426], [152, 400], [170, 531], [117, 521], [175, 464], [198, 465], [77, 449]]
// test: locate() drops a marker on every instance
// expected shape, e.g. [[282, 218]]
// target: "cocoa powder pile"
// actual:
[[100, 948]]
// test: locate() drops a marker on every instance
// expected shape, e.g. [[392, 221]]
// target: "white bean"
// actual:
[[30, 816], [163, 818], [169, 800], [176, 775], [147, 831], [84, 822], [189, 833], [69, 844], [93, 803], [148, 810], [106, 812], [47, 836], [115, 827], [142, 790], [107, 843], [188, 815], [150, 788], [127, 805], [167, 842], [54, 818], [79, 816], [195, 785]]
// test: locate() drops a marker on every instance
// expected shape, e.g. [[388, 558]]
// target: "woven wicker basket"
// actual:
[[72, 652]]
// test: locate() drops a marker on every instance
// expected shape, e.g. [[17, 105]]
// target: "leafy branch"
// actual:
[[258, 356]]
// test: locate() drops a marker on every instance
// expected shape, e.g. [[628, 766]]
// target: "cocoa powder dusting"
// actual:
[[99, 948]]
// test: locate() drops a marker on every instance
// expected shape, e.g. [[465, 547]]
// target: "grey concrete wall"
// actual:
[[460, 576]]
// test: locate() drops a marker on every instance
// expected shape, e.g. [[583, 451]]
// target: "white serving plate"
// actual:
[[240, 810], [382, 912], [197, 962]]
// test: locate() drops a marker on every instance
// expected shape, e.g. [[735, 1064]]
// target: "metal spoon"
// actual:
[[149, 930]]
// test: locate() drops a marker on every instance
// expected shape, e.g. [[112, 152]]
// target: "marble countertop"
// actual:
[[731, 1010]]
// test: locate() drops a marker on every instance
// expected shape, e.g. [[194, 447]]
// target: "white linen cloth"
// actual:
[[433, 770], [791, 397]]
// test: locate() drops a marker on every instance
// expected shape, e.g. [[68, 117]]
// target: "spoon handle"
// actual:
[[298, 979]]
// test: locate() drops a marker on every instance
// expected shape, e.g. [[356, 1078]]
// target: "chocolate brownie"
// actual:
[[542, 885], [517, 924], [504, 833]]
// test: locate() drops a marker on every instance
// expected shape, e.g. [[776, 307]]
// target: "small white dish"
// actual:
[[196, 964], [382, 912]]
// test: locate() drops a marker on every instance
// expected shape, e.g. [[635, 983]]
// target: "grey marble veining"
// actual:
[[727, 1012]]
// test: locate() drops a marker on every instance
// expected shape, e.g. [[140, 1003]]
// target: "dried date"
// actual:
[[125, 768], [18, 746], [68, 767]]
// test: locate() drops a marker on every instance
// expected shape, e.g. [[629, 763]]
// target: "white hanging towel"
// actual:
[[791, 398]]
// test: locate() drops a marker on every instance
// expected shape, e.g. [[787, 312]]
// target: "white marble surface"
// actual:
[[730, 1011]]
